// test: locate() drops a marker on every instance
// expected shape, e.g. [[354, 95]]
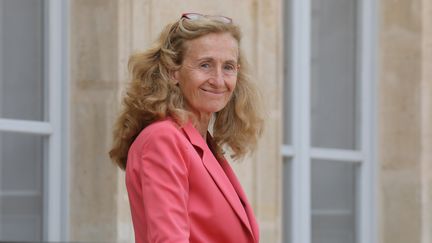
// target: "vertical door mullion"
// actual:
[[1, 76], [53, 178], [1, 95], [1, 57], [301, 183], [1, 101], [366, 222], [361, 129]]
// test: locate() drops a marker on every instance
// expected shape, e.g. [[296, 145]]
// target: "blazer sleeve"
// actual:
[[165, 187]]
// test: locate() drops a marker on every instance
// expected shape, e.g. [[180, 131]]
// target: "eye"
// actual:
[[229, 67], [205, 65]]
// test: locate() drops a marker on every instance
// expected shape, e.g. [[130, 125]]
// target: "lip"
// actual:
[[214, 92]]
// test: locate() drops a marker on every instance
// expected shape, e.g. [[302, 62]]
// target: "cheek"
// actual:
[[189, 91], [191, 80], [232, 85]]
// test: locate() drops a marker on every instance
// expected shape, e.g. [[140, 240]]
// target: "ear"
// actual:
[[175, 76]]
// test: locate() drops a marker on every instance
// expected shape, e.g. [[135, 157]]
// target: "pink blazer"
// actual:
[[179, 192]]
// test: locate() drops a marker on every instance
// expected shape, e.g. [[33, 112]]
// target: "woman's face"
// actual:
[[208, 74]]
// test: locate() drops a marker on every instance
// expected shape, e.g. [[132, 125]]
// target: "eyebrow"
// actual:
[[212, 59]]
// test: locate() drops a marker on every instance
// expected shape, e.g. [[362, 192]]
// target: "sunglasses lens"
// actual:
[[196, 16], [222, 19], [192, 16]]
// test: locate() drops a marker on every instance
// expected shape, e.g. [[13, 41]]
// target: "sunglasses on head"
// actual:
[[197, 16]]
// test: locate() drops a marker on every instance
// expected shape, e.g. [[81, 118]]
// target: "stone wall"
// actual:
[[405, 121], [94, 85]]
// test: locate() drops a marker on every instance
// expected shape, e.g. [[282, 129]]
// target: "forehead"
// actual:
[[213, 45]]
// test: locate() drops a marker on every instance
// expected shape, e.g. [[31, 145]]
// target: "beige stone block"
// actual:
[[268, 176], [125, 231], [94, 40], [427, 119], [401, 207], [268, 69], [269, 232], [404, 121], [93, 177], [399, 114], [245, 172], [400, 76], [403, 14]]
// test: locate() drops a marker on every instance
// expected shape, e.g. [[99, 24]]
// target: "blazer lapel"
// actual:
[[218, 174], [237, 186]]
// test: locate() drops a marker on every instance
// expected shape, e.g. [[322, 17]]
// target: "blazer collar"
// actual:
[[220, 177]]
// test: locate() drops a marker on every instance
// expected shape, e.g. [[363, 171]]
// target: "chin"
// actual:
[[214, 109]]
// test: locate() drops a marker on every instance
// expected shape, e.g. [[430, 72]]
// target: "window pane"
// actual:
[[333, 202], [21, 204], [21, 59], [333, 74]]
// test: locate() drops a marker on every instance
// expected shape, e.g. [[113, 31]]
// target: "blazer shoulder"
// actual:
[[166, 126], [165, 131], [161, 139]]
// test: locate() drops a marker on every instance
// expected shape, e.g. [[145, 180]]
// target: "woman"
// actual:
[[180, 187]]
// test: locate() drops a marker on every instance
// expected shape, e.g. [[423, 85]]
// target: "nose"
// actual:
[[217, 77]]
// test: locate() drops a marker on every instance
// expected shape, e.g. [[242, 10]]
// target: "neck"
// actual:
[[201, 124]]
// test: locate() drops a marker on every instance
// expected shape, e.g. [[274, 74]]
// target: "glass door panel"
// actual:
[[333, 74], [22, 97], [333, 197], [22, 59], [21, 193]]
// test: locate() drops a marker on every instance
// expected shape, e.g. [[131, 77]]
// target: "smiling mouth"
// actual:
[[217, 92]]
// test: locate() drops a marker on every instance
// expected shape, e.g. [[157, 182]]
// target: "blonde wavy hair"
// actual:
[[153, 95]]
